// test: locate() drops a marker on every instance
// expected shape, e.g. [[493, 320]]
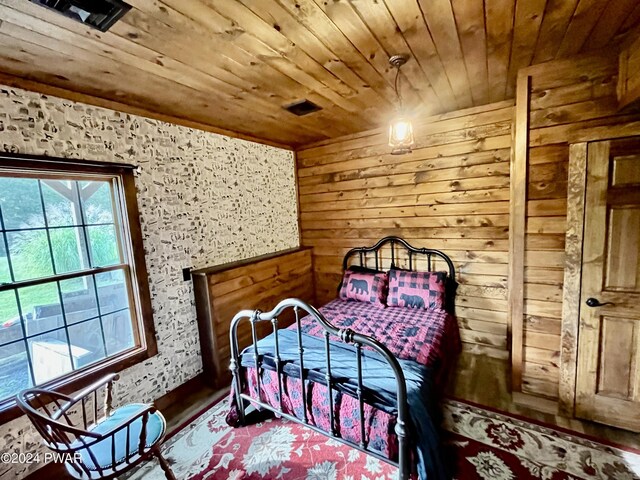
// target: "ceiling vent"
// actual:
[[100, 14], [303, 107]]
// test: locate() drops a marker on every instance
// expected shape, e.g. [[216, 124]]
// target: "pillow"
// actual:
[[416, 289], [364, 287]]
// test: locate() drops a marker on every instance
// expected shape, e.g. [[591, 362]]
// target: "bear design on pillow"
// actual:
[[359, 286], [412, 301]]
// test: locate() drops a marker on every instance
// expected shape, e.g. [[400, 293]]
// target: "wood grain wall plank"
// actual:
[[453, 197], [517, 227]]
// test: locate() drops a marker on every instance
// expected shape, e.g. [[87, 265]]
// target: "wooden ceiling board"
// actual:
[[610, 22], [231, 65], [375, 18], [287, 26], [214, 31], [26, 58], [582, 22], [469, 18], [632, 21], [410, 21], [556, 19], [352, 27], [438, 15], [528, 19], [498, 16], [309, 14]]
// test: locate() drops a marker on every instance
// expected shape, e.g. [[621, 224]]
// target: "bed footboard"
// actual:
[[348, 336]]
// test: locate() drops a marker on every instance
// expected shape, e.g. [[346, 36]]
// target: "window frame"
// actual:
[[131, 241]]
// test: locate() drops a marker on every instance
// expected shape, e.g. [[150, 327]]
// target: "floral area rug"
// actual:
[[478, 444], [488, 445]]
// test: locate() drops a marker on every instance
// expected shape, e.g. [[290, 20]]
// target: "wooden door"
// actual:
[[608, 381]]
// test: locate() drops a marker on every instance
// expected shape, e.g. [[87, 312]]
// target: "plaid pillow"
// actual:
[[416, 289], [365, 287]]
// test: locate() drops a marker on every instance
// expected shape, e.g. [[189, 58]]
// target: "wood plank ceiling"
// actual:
[[233, 64]]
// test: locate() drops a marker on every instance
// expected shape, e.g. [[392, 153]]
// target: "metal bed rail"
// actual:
[[347, 336]]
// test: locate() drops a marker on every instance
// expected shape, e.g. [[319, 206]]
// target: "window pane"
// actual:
[[112, 291], [69, 249], [50, 355], [79, 299], [10, 327], [86, 338], [30, 256], [20, 203], [96, 202], [5, 273], [41, 308], [54, 226], [118, 332], [14, 370], [103, 245], [61, 203]]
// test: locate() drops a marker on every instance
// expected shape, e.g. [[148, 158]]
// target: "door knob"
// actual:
[[594, 302]]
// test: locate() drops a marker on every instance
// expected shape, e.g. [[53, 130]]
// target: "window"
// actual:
[[74, 298]]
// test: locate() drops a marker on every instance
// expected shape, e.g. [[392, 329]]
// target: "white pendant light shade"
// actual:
[[401, 135], [400, 129]]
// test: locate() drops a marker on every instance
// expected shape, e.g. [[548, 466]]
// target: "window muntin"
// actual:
[[66, 296]]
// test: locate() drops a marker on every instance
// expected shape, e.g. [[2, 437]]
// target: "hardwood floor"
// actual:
[[182, 411]]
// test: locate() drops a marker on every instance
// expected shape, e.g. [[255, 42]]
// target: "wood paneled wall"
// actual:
[[450, 193], [453, 193], [568, 102], [629, 77], [224, 290]]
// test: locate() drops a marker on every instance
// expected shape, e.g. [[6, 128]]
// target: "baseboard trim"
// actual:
[[545, 405], [181, 391]]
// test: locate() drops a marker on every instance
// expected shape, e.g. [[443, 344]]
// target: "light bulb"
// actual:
[[401, 135]]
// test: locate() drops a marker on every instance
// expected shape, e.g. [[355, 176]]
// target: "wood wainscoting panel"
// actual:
[[451, 193], [257, 283]]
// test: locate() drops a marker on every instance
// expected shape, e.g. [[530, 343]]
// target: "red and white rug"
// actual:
[[481, 444]]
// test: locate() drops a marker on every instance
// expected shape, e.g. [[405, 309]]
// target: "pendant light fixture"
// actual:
[[400, 129]]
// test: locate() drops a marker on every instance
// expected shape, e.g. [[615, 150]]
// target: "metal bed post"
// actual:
[[303, 390], [327, 377], [345, 335], [274, 322]]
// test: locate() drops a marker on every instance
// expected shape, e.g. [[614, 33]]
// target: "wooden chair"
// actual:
[[107, 445]]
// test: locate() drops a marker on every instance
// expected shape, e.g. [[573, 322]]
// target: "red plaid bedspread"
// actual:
[[429, 337]]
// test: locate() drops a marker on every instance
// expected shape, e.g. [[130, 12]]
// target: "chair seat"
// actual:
[[102, 449]]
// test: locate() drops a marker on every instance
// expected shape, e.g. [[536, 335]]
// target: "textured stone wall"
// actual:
[[204, 199]]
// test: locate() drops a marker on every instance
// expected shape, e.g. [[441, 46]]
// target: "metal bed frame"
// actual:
[[345, 335]]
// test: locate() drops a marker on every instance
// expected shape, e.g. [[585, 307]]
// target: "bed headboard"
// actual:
[[388, 252]]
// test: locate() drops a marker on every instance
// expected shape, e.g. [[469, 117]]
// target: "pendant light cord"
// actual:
[[395, 86]]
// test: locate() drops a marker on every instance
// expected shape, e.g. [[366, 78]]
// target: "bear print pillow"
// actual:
[[416, 289], [364, 287]]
